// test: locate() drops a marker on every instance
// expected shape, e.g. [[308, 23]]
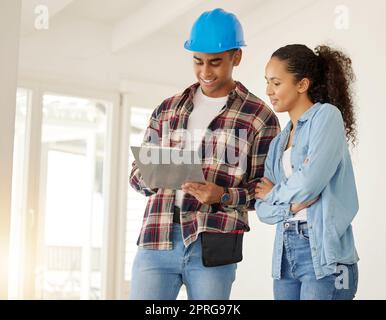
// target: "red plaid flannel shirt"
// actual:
[[242, 112]]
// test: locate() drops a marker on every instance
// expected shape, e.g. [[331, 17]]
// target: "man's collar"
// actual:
[[239, 90]]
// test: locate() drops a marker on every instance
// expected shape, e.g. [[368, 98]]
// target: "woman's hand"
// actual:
[[296, 207], [263, 188]]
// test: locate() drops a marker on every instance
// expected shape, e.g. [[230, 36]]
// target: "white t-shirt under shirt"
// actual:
[[302, 214], [204, 111]]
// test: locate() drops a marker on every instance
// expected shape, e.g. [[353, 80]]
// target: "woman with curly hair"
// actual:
[[309, 187]]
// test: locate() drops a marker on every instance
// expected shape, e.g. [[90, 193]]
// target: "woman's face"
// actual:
[[282, 87]]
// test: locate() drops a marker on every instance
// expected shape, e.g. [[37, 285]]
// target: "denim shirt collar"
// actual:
[[310, 112], [304, 118]]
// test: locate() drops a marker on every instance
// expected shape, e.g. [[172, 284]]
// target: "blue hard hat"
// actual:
[[215, 31]]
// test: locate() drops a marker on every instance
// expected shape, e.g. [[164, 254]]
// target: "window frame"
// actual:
[[115, 184]]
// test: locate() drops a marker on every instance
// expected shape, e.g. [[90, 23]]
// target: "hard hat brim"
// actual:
[[197, 48]]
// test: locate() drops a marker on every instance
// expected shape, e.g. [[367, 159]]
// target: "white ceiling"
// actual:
[[108, 12], [100, 42]]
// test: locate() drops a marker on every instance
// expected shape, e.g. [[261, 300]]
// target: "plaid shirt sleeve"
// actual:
[[243, 197], [152, 136]]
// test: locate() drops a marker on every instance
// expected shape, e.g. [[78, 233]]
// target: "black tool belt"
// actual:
[[176, 215], [218, 248]]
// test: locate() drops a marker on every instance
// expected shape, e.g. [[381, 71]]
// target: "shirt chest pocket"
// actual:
[[177, 139], [300, 153]]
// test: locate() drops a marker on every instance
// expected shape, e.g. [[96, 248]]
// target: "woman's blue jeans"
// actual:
[[298, 280]]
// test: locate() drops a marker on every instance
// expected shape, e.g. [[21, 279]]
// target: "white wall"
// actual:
[[365, 42], [9, 41]]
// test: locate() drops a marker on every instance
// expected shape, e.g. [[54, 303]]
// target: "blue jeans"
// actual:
[[298, 280], [159, 274]]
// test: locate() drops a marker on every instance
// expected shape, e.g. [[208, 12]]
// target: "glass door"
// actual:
[[71, 198]]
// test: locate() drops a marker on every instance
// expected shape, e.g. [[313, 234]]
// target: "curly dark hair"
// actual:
[[331, 76]]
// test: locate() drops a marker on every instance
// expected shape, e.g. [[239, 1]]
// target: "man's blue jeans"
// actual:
[[298, 280], [159, 274]]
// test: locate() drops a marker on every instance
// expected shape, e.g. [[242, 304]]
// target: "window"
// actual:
[[23, 99], [135, 201], [71, 198]]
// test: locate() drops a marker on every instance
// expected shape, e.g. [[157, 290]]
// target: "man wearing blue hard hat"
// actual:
[[193, 236]]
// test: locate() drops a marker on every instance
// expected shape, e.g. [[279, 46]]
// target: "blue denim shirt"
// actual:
[[322, 166]]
